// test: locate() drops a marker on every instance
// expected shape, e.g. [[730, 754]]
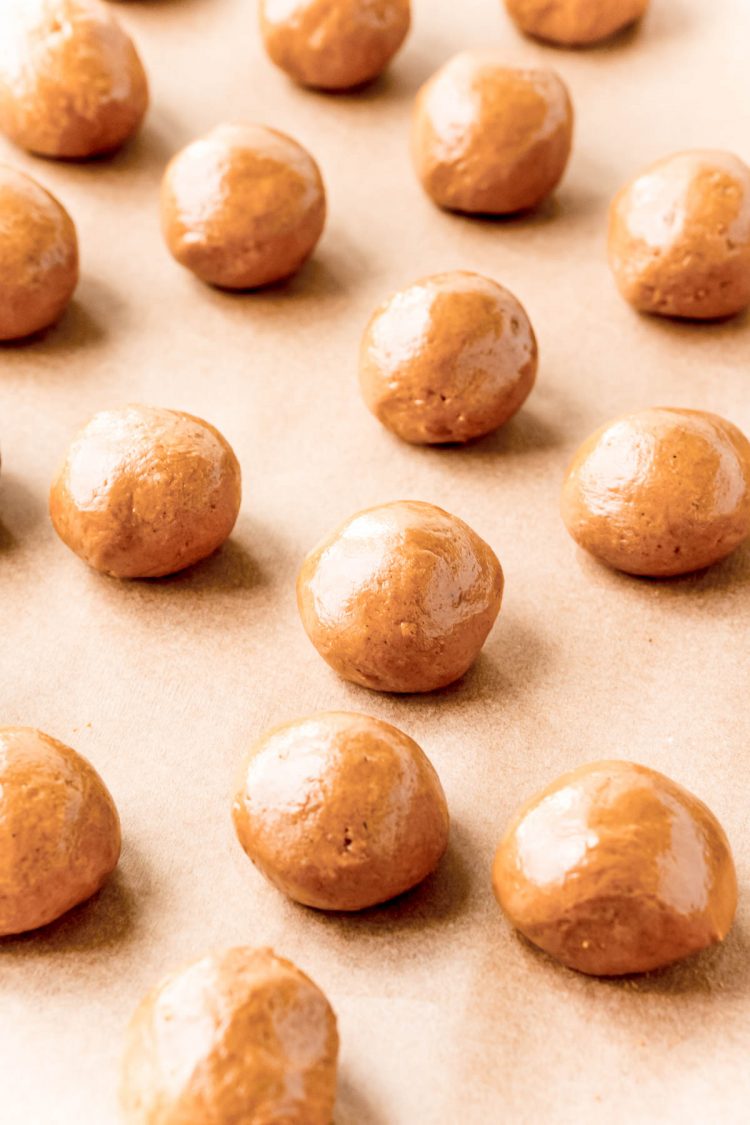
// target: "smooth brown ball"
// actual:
[[661, 492], [59, 830], [71, 82], [679, 237], [491, 139], [615, 869], [575, 23], [243, 206], [400, 597], [38, 256], [448, 359], [241, 1037], [340, 811], [333, 44], [145, 492]]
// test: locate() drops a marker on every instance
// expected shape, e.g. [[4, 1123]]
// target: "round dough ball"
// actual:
[[333, 44], [38, 256], [400, 597], [243, 206], [491, 139], [448, 359], [242, 1037], [59, 830], [615, 869], [145, 492], [575, 23], [341, 811], [679, 237], [71, 82], [661, 492]]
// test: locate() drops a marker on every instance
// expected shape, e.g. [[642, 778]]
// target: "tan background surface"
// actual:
[[445, 1016]]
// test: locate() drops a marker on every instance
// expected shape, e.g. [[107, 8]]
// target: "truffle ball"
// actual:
[[38, 256], [679, 237], [59, 830], [333, 44], [243, 206], [400, 597], [145, 492], [661, 492], [242, 1037], [341, 811], [575, 23], [616, 869], [448, 359], [488, 138]]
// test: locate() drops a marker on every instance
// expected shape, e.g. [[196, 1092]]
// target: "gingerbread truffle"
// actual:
[[340, 811], [491, 139], [38, 256], [59, 830], [615, 869], [448, 359], [661, 492], [145, 492], [575, 23], [71, 82], [333, 44], [241, 1037], [400, 597], [243, 206], [679, 237]]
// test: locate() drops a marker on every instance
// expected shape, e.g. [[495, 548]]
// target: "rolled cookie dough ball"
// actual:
[[661, 492], [575, 23], [59, 830], [333, 44], [400, 597], [38, 256], [242, 1037], [488, 138], [616, 869], [341, 811], [448, 359], [679, 236], [145, 492], [71, 82], [243, 206]]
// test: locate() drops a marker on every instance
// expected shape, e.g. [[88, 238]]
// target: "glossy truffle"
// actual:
[[243, 206], [575, 23], [242, 1037], [71, 82], [145, 492], [615, 869], [679, 236], [400, 597], [448, 359], [488, 138], [59, 830], [38, 256], [333, 44], [660, 492], [340, 811]]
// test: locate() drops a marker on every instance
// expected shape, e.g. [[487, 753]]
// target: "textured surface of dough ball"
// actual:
[[661, 492], [341, 811], [243, 206], [448, 359], [59, 830], [145, 492], [488, 138], [38, 256], [71, 82], [241, 1037], [679, 236], [575, 23], [615, 869], [333, 44], [400, 597]]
